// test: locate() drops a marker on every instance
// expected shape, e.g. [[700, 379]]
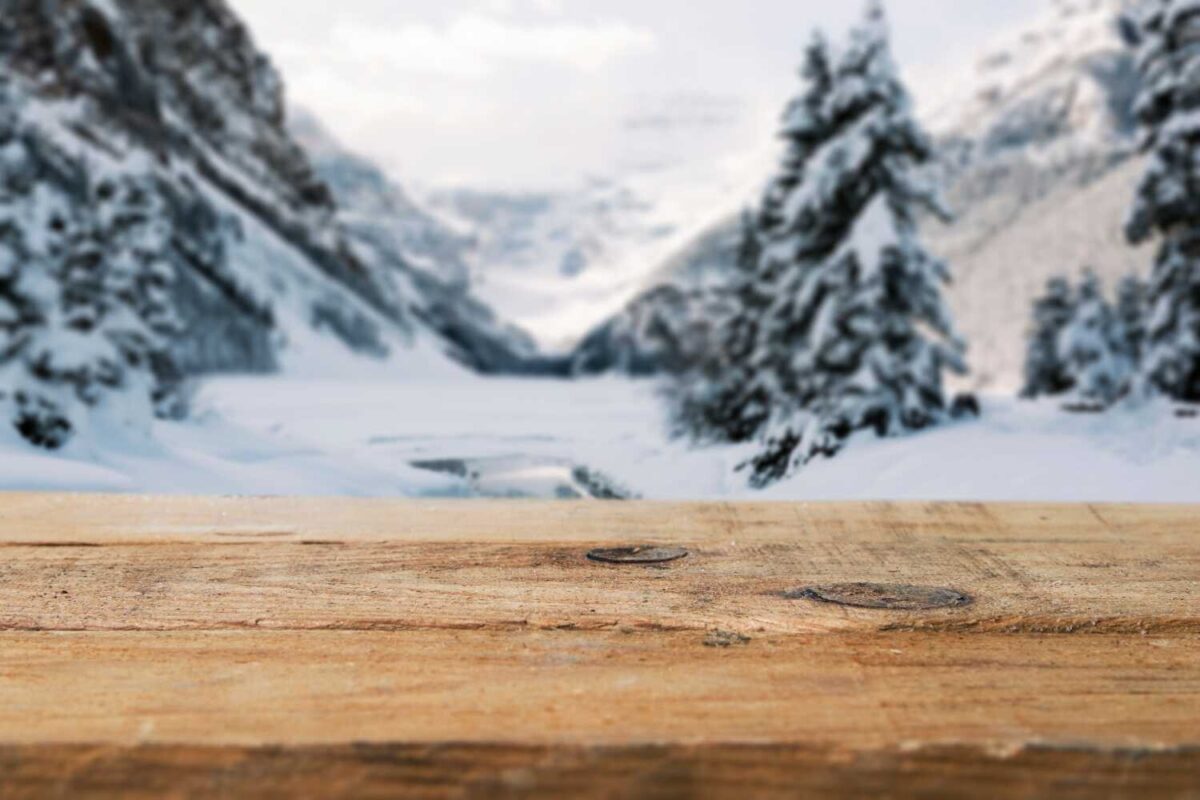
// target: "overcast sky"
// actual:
[[541, 93]]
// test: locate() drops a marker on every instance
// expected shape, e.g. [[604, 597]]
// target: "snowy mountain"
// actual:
[[427, 259], [537, 253], [262, 246], [560, 262], [376, 208], [1058, 87], [1040, 172], [1036, 143], [177, 92]]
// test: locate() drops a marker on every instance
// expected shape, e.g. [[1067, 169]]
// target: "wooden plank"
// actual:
[[256, 647], [1109, 587], [959, 706], [854, 692], [363, 771], [1026, 568]]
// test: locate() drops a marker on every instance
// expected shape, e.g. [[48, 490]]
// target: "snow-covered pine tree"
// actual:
[[803, 130], [1166, 35], [721, 398], [729, 398], [133, 228], [85, 309], [34, 231], [1093, 350], [857, 320], [1046, 373]]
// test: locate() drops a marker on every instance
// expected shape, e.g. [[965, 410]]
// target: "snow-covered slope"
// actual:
[[1058, 87], [1037, 157], [379, 209], [1040, 170], [405, 436]]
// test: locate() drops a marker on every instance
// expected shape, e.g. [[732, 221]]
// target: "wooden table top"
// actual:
[[334, 648]]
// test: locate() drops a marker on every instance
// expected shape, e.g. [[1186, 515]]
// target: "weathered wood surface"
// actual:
[[230, 647]]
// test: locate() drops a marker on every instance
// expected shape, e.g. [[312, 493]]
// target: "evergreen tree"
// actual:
[[134, 232], [803, 129], [34, 235], [85, 307], [730, 397], [857, 321], [723, 398], [1167, 205], [1046, 373], [1093, 349]]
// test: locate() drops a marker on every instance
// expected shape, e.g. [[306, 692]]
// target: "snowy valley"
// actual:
[[344, 334]]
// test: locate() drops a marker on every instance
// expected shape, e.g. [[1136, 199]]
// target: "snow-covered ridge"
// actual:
[[1064, 77], [366, 196]]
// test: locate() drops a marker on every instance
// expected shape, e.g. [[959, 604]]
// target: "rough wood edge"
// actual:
[[711, 770]]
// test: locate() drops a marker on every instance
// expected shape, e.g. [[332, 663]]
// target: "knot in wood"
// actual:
[[884, 596], [641, 554]]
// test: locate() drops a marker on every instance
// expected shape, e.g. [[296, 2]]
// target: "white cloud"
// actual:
[[512, 6], [473, 44]]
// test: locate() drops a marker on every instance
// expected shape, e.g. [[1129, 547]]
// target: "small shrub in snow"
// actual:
[[1081, 346], [1093, 347], [1046, 373], [1131, 314]]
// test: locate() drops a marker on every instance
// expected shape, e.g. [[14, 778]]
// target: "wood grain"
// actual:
[[277, 648], [853, 691], [292, 565], [105, 519]]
